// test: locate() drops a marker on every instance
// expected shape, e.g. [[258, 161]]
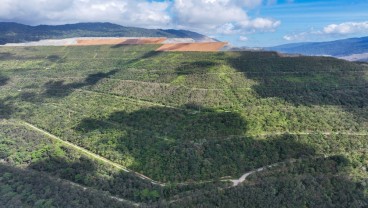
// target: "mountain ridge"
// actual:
[[336, 48], [12, 32]]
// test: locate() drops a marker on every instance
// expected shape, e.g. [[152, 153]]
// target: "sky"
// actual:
[[250, 23]]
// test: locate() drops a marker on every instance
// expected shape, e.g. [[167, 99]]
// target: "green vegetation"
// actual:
[[189, 120]]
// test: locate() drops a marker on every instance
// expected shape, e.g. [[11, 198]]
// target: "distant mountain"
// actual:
[[11, 32], [339, 48]]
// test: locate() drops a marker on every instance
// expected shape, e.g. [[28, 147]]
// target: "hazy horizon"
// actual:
[[252, 23]]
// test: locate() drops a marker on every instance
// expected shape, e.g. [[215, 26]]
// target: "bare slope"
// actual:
[[211, 46]]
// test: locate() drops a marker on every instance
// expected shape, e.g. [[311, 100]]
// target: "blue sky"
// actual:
[[241, 22], [305, 20]]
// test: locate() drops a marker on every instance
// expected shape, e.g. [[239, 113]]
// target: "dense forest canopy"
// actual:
[[184, 124]]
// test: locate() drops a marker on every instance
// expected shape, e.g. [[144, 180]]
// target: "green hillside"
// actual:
[[189, 121]]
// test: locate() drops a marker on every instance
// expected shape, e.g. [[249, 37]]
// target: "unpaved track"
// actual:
[[245, 176], [91, 154], [126, 201], [235, 182], [83, 188], [120, 167]]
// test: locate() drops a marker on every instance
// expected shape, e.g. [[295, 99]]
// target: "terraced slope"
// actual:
[[189, 120]]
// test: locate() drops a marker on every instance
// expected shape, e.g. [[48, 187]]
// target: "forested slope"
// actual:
[[191, 121]]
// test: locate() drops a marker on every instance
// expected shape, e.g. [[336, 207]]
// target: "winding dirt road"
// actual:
[[235, 182], [91, 154]]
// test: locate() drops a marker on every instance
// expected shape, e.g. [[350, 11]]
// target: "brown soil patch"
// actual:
[[119, 41], [212, 46]]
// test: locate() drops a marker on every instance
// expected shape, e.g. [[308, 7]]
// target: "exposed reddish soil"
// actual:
[[212, 46], [119, 41]]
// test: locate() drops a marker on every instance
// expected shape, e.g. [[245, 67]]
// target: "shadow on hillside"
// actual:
[[54, 58], [27, 188], [149, 54], [305, 80], [197, 67], [174, 124], [89, 173], [6, 56], [59, 89], [54, 89], [146, 55], [63, 168], [6, 107], [3, 80], [174, 145], [320, 182]]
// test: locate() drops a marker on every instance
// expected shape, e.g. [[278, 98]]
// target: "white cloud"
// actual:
[[332, 30], [125, 12], [297, 37], [288, 37], [250, 3], [243, 38], [221, 16], [207, 13], [346, 28], [206, 16], [260, 24], [227, 29]]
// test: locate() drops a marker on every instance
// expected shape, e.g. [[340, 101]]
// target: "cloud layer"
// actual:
[[208, 16], [126, 12], [346, 28], [342, 29], [222, 16]]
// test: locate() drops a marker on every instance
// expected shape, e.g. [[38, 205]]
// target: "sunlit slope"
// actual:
[[188, 116]]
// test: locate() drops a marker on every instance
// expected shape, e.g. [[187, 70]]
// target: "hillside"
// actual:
[[131, 126], [17, 33], [338, 48]]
